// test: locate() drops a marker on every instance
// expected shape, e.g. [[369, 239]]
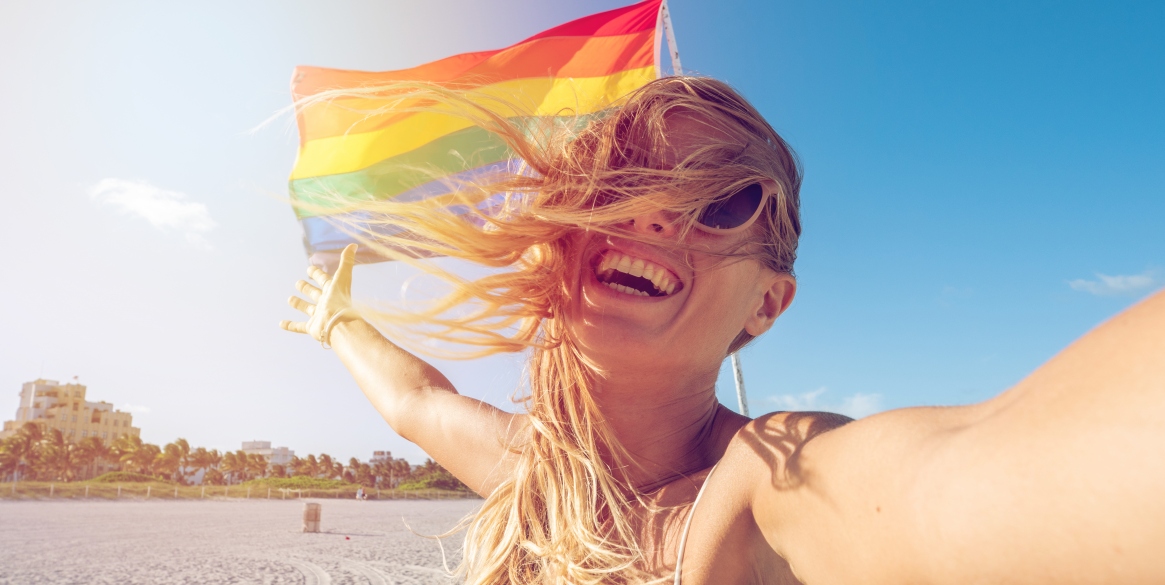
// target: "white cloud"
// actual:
[[138, 408], [856, 405], [861, 405], [165, 210], [1106, 285], [806, 401]]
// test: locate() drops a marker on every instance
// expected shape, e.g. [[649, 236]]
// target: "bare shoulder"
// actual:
[[772, 443], [824, 487]]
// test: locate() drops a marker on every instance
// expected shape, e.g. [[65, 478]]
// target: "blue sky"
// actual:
[[984, 184]]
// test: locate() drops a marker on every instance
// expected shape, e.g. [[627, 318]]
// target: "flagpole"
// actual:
[[673, 50], [738, 374]]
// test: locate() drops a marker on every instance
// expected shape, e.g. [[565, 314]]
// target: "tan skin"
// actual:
[[1057, 480]]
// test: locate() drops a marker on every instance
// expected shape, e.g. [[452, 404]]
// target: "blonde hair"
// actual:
[[561, 517]]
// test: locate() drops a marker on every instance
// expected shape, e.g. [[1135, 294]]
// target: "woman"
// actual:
[[638, 252]]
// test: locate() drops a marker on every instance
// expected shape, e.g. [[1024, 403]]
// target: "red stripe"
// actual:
[[550, 57], [634, 18], [637, 18]]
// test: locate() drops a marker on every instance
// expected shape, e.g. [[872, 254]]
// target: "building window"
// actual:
[[103, 434], [84, 434], [74, 418]]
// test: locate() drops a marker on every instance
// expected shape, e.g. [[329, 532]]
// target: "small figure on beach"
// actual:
[[630, 257]]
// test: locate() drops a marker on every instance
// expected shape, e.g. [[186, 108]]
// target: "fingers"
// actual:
[[301, 305], [339, 289], [318, 275], [308, 290], [293, 326], [344, 269]]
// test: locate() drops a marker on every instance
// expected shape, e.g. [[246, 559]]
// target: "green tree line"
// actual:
[[32, 454]]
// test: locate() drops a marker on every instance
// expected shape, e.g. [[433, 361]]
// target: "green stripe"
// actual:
[[453, 153]]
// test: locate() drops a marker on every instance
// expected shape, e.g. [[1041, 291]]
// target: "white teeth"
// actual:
[[660, 280], [627, 290], [659, 276]]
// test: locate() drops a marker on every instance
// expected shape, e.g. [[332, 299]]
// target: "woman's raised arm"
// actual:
[[1058, 480], [466, 436]]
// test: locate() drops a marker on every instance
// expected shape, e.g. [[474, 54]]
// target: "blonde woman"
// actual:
[[634, 255]]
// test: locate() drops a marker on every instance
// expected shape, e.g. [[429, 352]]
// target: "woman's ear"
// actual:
[[777, 292]]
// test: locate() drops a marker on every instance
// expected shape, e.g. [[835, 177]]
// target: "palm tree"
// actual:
[[230, 466], [23, 449], [8, 460], [381, 472], [123, 450], [60, 457], [168, 461], [214, 457], [202, 459], [213, 477], [244, 463], [146, 458], [303, 466], [404, 471], [364, 476], [325, 466], [199, 459], [89, 451], [349, 473], [183, 451], [257, 464]]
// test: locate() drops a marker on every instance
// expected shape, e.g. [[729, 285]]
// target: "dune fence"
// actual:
[[39, 490]]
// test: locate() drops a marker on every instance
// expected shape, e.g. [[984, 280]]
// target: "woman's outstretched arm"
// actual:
[[1058, 480], [466, 436]]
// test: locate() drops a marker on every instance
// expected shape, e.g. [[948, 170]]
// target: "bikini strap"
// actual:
[[688, 525]]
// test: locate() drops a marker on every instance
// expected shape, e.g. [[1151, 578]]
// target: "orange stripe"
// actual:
[[591, 57], [557, 56], [547, 96]]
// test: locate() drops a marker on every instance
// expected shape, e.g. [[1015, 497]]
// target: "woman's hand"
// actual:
[[333, 299]]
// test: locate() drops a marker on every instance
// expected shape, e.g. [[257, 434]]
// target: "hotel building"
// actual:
[[53, 405], [275, 456]]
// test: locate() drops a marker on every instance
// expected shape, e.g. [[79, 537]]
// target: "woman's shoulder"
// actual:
[[778, 437], [726, 544]]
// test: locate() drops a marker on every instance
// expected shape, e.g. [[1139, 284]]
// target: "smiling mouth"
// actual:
[[636, 276]]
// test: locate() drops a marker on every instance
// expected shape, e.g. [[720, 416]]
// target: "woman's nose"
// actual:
[[659, 222]]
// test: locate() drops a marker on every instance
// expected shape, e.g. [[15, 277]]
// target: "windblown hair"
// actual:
[[562, 515]]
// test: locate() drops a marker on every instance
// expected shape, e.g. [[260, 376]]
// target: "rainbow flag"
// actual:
[[578, 68]]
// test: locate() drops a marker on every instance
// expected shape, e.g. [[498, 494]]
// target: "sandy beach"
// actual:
[[227, 541]]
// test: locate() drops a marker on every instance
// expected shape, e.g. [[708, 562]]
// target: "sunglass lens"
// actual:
[[733, 211]]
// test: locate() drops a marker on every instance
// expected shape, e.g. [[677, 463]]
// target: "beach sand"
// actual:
[[227, 541]]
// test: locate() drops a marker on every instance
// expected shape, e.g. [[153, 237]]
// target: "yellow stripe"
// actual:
[[545, 96]]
